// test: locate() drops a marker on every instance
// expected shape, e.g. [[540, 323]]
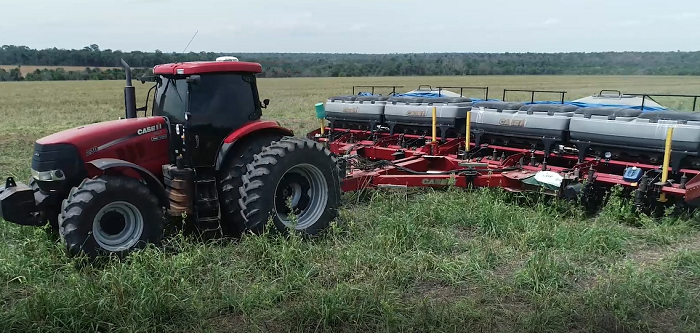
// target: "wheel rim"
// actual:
[[305, 189], [117, 226]]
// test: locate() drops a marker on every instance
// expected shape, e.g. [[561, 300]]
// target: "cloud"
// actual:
[[355, 27], [628, 23], [552, 21], [653, 19], [297, 24], [141, 2], [289, 22], [688, 15]]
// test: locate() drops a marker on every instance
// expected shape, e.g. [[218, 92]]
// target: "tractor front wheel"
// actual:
[[110, 215], [294, 181]]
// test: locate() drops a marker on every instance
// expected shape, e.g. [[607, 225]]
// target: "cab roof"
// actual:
[[201, 67]]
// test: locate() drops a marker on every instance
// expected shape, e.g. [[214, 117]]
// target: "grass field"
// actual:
[[422, 261]]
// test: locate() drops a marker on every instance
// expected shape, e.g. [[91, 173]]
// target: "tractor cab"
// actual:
[[208, 100]]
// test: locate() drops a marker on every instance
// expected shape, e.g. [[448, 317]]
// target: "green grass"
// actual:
[[416, 261]]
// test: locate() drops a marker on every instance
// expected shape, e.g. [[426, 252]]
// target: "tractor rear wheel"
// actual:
[[110, 215], [294, 181], [230, 181]]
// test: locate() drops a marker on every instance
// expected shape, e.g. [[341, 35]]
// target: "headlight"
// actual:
[[51, 175]]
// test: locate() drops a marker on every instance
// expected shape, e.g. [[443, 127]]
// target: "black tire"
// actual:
[[84, 203], [230, 180], [261, 195]]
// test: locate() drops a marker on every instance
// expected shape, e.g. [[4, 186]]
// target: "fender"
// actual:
[[255, 126], [151, 180], [249, 130]]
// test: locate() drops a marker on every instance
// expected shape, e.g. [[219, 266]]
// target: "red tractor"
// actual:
[[204, 154]]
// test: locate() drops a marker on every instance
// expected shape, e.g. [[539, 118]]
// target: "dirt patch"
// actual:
[[230, 323], [644, 256], [653, 255], [443, 292], [509, 268], [605, 320], [440, 291], [516, 305], [591, 281], [466, 234], [499, 314], [12, 297], [666, 320]]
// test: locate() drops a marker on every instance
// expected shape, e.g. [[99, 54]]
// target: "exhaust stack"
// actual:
[[129, 92]]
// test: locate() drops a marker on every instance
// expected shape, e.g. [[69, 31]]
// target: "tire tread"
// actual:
[[82, 197], [234, 168], [253, 188]]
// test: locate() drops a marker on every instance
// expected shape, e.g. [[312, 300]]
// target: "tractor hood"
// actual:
[[60, 161], [94, 138]]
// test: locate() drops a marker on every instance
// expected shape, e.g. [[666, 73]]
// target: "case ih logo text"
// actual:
[[149, 129], [415, 113], [435, 181], [512, 122]]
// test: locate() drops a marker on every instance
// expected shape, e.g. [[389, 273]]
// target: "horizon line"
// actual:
[[355, 53]]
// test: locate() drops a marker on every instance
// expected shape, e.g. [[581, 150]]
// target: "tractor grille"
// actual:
[[57, 156]]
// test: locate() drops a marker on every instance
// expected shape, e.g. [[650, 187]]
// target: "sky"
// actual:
[[354, 26]]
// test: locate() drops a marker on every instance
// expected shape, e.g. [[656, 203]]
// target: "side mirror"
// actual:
[[145, 79], [266, 102], [194, 79]]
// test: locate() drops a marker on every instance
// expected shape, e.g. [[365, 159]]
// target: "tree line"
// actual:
[[60, 74], [346, 65]]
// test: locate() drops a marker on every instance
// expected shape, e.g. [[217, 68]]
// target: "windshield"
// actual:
[[171, 99], [223, 98]]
